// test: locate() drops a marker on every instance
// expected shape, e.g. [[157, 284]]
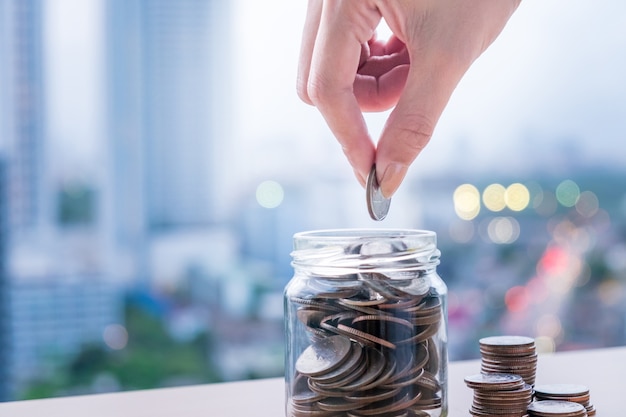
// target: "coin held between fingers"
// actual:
[[377, 204]]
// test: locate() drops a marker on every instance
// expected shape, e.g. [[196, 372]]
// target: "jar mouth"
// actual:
[[331, 235], [360, 250]]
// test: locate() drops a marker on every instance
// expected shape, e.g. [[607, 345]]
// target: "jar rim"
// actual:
[[387, 249], [360, 233]]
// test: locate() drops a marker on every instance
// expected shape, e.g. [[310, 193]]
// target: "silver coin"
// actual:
[[377, 204], [556, 408], [324, 356]]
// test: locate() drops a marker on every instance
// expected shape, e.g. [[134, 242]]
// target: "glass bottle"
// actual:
[[365, 325]]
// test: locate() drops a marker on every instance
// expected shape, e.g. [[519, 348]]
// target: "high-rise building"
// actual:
[[166, 68], [22, 87], [53, 318], [4, 290], [22, 199], [48, 311], [164, 59]]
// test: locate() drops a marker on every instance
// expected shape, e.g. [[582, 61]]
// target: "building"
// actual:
[[53, 318], [164, 76], [21, 81], [162, 80], [53, 298], [22, 119], [5, 336]]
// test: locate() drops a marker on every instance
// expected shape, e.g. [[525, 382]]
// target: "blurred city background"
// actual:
[[155, 162]]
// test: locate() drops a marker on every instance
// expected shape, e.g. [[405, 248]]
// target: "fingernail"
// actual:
[[392, 178]]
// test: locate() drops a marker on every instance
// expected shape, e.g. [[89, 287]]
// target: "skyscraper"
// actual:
[[22, 86], [163, 58], [4, 292], [22, 198]]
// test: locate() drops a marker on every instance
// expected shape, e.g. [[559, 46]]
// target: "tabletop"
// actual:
[[603, 371]]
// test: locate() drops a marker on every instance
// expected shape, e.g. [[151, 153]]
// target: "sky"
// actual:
[[74, 70], [553, 76]]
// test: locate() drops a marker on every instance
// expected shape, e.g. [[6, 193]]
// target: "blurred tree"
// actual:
[[151, 359]]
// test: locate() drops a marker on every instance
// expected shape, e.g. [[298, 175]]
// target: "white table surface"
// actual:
[[602, 370]]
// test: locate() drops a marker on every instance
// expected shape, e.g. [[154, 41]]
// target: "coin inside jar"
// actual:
[[377, 204], [324, 355]]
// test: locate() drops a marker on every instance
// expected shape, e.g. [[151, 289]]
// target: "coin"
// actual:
[[338, 376], [576, 393], [561, 390], [556, 409], [508, 343], [494, 382], [393, 362], [377, 204], [323, 355], [509, 355]]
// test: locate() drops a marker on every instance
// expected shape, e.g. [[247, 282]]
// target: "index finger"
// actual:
[[334, 66]]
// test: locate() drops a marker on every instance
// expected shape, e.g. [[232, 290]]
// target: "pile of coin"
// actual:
[[510, 355], [372, 348], [505, 387], [503, 395], [566, 392], [551, 408]]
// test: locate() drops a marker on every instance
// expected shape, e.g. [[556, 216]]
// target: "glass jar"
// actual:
[[366, 325]]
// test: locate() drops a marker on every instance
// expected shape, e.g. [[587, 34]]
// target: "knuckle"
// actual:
[[321, 91], [414, 133]]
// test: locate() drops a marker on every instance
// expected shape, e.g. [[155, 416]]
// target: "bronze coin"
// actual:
[[363, 337], [308, 410], [336, 404], [348, 367], [372, 395], [376, 364], [387, 407]]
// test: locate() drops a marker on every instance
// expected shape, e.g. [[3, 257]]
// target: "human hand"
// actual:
[[344, 70]]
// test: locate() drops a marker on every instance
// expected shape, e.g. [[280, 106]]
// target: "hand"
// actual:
[[344, 70]]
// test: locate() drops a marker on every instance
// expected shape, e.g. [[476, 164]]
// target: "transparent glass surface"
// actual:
[[366, 325]]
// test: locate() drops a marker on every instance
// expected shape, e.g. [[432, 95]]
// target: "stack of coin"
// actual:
[[551, 408], [373, 348], [566, 392], [509, 355], [504, 395]]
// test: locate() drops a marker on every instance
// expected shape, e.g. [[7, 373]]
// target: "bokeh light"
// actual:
[[115, 336], [493, 197], [466, 199], [548, 205], [549, 325], [269, 194], [588, 204], [517, 299], [545, 344], [584, 276], [536, 193], [567, 193], [610, 292], [461, 231], [503, 230], [517, 197]]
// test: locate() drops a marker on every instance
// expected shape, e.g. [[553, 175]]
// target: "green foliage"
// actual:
[[76, 205], [151, 359]]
